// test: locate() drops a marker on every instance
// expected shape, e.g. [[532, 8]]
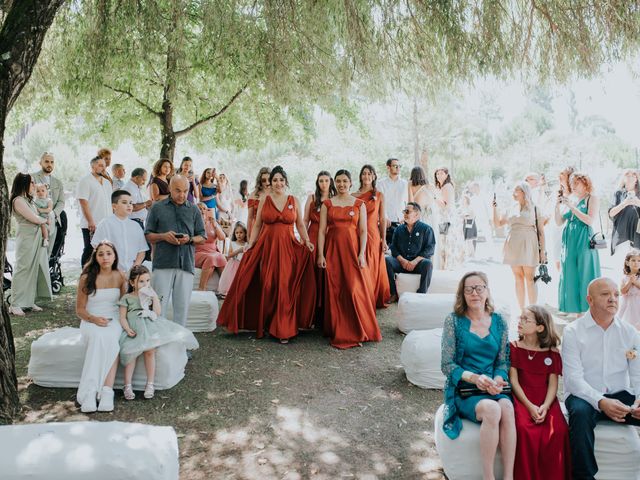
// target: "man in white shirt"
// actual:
[[94, 197], [396, 196], [601, 373], [136, 188], [125, 234], [118, 171], [56, 194]]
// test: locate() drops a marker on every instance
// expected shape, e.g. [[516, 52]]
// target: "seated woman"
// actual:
[[208, 258], [475, 362]]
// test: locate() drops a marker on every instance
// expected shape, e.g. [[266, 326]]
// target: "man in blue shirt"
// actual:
[[412, 247]]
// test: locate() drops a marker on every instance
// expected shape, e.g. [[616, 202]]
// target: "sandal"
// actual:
[[17, 311], [128, 392], [149, 391]]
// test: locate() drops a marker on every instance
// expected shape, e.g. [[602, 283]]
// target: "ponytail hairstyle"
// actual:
[[280, 170]]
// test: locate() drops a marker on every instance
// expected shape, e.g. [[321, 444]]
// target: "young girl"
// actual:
[[145, 330], [45, 207], [630, 289], [542, 449], [238, 242]]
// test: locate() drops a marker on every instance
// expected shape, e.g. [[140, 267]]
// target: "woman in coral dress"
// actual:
[[350, 317], [376, 231], [261, 188], [274, 289], [207, 257]]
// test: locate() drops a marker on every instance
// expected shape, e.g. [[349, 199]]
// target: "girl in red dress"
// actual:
[[261, 188], [542, 450], [376, 232], [274, 289], [350, 317]]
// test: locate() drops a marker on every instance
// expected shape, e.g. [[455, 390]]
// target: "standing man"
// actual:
[[600, 356], [94, 197], [175, 226], [56, 194], [136, 188], [105, 154], [396, 196], [119, 173]]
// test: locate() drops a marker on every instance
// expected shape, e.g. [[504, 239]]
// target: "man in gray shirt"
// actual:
[[174, 226]]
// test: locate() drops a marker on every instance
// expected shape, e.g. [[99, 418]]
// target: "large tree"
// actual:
[[25, 24]]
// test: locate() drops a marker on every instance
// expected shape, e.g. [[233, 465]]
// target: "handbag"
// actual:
[[597, 240], [542, 270], [443, 228], [470, 391]]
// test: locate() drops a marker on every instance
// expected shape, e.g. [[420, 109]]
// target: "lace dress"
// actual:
[[630, 305]]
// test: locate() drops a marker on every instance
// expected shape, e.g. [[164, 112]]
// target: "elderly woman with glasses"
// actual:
[[475, 362]]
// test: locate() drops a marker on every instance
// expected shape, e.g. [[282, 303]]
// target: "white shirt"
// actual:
[[99, 197], [126, 235], [138, 195], [118, 184], [595, 360], [396, 196]]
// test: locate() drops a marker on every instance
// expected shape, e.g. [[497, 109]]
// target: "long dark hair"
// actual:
[[20, 187], [280, 170], [92, 268], [448, 179], [317, 197], [373, 172], [262, 171], [418, 176], [134, 273], [203, 177], [548, 338], [244, 190], [243, 227], [185, 159]]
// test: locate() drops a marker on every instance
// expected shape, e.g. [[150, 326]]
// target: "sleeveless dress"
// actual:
[[230, 270], [375, 255], [163, 187], [274, 289], [579, 263], [102, 342], [207, 192], [431, 216], [149, 333], [207, 254], [542, 450], [630, 306], [349, 316], [521, 245]]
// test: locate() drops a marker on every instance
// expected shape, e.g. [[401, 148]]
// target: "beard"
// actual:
[[47, 170]]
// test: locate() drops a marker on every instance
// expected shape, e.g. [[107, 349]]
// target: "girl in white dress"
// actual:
[[100, 287], [238, 242], [630, 289]]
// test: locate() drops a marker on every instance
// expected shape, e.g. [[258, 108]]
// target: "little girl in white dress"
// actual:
[[238, 242], [630, 289]]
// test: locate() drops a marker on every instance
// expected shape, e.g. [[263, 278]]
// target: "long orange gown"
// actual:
[[274, 288], [375, 255], [314, 227], [349, 316]]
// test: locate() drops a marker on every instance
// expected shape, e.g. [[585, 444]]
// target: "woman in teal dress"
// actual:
[[475, 354], [579, 263]]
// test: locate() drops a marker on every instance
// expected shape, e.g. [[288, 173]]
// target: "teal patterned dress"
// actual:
[[464, 350], [579, 263]]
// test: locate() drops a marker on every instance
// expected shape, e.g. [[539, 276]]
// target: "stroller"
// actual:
[[6, 282], [55, 267]]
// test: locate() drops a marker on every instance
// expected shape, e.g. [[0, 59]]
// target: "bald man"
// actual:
[[601, 373], [175, 226]]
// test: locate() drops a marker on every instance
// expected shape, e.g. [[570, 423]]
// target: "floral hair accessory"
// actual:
[[631, 354]]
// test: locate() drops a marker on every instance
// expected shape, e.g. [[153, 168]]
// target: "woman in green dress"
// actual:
[[579, 263], [31, 271]]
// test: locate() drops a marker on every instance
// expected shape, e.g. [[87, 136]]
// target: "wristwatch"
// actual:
[[190, 242]]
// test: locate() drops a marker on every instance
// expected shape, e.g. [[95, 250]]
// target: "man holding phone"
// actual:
[[175, 226]]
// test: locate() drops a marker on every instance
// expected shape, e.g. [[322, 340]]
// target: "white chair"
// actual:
[[417, 311], [82, 450], [420, 356], [203, 312], [57, 358]]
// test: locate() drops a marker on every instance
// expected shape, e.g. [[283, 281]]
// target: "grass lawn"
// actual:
[[255, 409]]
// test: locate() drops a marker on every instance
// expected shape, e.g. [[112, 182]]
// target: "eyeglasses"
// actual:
[[407, 211], [525, 319], [479, 289], [397, 165]]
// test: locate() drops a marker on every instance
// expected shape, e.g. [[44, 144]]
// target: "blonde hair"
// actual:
[[526, 190]]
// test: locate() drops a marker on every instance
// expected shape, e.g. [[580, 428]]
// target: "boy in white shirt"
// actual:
[[124, 233]]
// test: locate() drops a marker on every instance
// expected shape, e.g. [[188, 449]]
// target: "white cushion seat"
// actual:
[[420, 356], [57, 358], [212, 284], [203, 312], [444, 281], [82, 450], [407, 282], [417, 311]]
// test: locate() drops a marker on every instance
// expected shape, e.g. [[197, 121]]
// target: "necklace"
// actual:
[[531, 357]]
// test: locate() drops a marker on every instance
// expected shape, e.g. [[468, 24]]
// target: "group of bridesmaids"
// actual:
[[334, 276]]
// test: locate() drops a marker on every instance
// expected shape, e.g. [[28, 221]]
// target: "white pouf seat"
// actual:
[[82, 450], [57, 358], [420, 356], [444, 281], [212, 284], [203, 312], [407, 282], [417, 311]]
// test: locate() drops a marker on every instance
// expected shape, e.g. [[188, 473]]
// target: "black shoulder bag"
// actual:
[[543, 271], [597, 240]]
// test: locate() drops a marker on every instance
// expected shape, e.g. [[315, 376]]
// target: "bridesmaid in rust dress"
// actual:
[[350, 317], [376, 232], [274, 289], [325, 189], [261, 188]]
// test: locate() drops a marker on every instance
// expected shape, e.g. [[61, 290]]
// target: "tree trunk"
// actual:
[[168, 148], [23, 31]]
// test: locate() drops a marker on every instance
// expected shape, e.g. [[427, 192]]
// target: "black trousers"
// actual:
[[390, 230], [582, 421], [424, 269], [88, 248]]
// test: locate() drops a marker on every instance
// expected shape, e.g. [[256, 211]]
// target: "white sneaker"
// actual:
[[106, 400], [89, 406]]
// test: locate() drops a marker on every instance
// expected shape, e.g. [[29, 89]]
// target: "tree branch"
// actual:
[[134, 98], [208, 118]]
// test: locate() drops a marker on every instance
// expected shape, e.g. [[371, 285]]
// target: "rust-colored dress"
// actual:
[[314, 228], [274, 289], [349, 317], [375, 255], [252, 203]]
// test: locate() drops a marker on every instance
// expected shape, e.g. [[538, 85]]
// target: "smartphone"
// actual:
[[179, 235], [494, 197]]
